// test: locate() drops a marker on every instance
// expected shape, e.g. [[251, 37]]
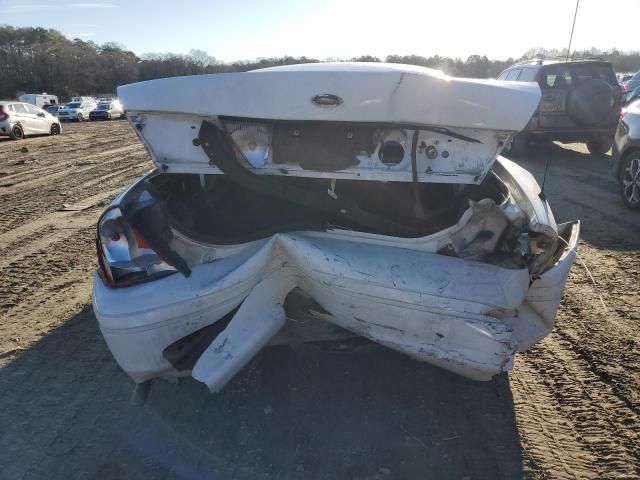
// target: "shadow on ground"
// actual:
[[369, 413]]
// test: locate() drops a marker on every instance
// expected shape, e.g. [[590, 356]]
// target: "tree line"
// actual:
[[42, 60]]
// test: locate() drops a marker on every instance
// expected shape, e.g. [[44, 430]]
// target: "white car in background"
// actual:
[[368, 196], [19, 119], [77, 111]]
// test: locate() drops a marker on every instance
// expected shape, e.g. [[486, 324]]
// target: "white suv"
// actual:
[[78, 111]]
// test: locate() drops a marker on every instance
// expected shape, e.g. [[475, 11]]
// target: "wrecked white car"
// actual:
[[373, 192]]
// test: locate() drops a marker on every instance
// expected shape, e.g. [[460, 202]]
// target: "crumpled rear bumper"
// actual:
[[462, 315]]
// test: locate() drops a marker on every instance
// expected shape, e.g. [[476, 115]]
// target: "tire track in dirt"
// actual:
[[47, 257], [27, 230], [50, 234], [48, 149], [56, 154], [45, 309], [614, 273], [608, 340], [69, 192], [28, 274], [603, 422], [547, 437], [71, 164], [582, 381]]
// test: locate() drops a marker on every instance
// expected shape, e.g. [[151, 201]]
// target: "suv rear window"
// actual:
[[556, 76], [564, 75], [603, 71]]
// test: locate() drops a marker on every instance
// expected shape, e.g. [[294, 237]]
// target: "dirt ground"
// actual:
[[569, 409]]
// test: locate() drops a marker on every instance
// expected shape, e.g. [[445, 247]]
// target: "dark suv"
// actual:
[[580, 102]]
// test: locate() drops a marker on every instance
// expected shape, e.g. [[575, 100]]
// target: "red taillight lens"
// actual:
[[4, 114], [140, 241]]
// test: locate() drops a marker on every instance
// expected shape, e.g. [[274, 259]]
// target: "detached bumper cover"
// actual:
[[465, 316]]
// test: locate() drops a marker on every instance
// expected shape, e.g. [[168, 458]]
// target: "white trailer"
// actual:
[[38, 99]]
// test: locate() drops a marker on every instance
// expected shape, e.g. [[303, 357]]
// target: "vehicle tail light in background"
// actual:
[[124, 256], [4, 114]]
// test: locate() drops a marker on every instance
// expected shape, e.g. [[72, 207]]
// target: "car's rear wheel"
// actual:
[[591, 102], [599, 146], [17, 133], [630, 181], [55, 129]]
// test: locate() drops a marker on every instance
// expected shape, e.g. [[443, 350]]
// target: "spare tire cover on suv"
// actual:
[[591, 102]]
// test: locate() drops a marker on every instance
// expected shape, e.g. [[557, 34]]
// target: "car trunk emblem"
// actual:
[[327, 100]]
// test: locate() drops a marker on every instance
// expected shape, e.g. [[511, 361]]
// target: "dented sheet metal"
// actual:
[[465, 316]]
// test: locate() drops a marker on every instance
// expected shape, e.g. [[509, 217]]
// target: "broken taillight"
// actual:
[[252, 139], [125, 257]]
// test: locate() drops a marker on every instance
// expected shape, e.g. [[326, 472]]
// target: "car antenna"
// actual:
[[546, 167], [573, 25]]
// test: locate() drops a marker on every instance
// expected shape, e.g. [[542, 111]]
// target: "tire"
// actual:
[[80, 117], [17, 133], [517, 146], [630, 181], [599, 147], [108, 116], [591, 103], [55, 129]]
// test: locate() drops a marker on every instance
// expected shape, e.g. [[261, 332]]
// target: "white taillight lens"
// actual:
[[125, 256], [253, 140]]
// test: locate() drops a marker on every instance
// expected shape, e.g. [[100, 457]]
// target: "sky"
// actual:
[[250, 29]]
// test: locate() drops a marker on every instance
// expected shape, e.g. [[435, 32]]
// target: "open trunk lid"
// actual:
[[344, 121]]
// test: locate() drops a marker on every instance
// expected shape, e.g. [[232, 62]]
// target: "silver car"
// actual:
[[76, 111], [19, 119], [107, 110], [626, 164]]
